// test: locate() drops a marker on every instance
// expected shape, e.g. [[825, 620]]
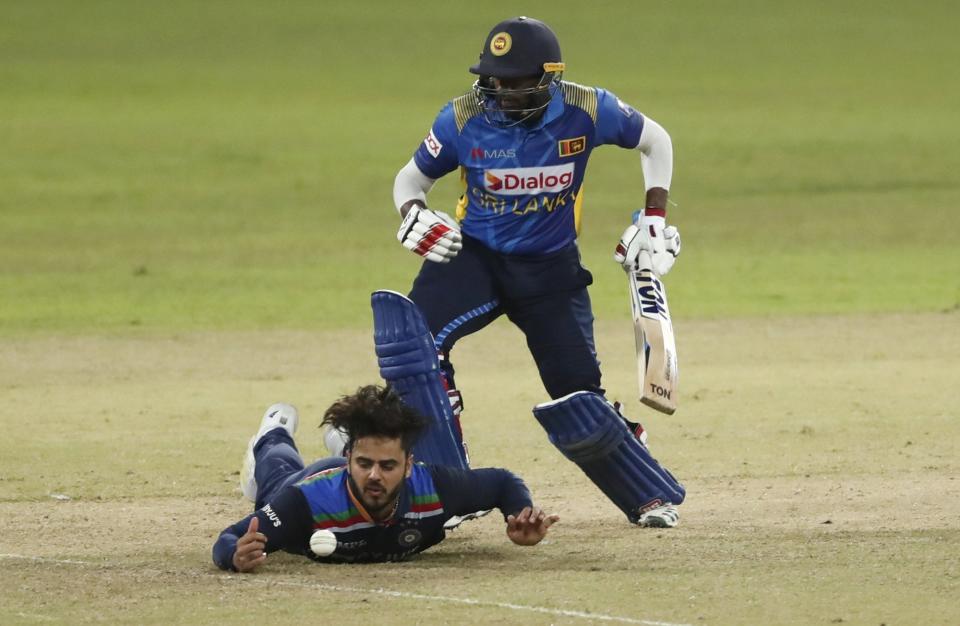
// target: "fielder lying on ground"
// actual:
[[376, 504]]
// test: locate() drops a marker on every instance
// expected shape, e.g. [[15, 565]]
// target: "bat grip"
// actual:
[[644, 263]]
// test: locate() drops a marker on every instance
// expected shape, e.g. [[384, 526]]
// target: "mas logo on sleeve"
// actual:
[[432, 144], [570, 147]]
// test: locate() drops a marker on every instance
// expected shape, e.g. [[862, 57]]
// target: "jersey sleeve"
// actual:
[[437, 153], [618, 123], [286, 521], [469, 491]]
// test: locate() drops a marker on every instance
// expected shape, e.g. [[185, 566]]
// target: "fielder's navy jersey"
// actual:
[[431, 496], [524, 184]]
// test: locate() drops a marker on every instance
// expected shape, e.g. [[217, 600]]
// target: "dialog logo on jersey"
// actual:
[[522, 181]]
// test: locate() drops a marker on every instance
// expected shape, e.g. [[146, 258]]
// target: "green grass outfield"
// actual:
[[217, 165]]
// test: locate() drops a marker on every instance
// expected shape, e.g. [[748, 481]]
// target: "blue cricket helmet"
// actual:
[[520, 46]]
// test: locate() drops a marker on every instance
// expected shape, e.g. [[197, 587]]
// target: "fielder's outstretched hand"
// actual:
[[250, 551], [529, 526]]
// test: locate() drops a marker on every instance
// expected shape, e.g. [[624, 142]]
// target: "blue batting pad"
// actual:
[[408, 362], [589, 431]]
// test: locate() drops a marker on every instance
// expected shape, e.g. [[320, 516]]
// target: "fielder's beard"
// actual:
[[379, 506]]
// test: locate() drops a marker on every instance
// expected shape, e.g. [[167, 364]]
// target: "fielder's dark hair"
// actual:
[[376, 411]]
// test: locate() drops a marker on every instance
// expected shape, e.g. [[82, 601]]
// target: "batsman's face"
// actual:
[[378, 467], [517, 95]]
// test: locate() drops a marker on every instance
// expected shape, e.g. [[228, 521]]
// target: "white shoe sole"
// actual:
[[456, 520]]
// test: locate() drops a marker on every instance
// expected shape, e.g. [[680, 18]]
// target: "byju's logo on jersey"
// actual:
[[522, 181]]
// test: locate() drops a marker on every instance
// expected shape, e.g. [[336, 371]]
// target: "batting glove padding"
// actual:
[[649, 234], [433, 235]]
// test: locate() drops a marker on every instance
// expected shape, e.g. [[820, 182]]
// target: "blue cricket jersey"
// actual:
[[523, 185], [429, 497]]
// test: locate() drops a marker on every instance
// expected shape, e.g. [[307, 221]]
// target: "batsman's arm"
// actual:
[[656, 160], [622, 125], [435, 157], [410, 188], [433, 235]]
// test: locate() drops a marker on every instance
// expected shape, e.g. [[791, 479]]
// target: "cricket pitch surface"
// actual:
[[820, 456]]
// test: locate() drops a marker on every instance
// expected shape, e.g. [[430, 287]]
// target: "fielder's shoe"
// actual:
[[666, 516], [277, 416], [456, 520]]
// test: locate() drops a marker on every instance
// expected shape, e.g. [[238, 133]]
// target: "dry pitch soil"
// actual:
[[819, 454]]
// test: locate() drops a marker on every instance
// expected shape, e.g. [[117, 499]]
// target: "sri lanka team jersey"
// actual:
[[524, 184]]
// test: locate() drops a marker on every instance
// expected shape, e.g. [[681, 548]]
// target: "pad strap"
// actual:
[[589, 431], [408, 362]]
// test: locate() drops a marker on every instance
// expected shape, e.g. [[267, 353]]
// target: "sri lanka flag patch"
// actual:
[[570, 147]]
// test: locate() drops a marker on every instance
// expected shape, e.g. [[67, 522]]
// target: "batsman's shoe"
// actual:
[[277, 416], [666, 516], [456, 520]]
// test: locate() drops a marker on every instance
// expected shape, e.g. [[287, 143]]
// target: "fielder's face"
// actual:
[[378, 467]]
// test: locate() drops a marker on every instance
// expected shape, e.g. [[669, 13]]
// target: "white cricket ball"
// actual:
[[323, 542]]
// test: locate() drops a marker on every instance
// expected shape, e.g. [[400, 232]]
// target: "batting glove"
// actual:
[[650, 235], [431, 234]]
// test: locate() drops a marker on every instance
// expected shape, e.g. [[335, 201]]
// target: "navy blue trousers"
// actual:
[[279, 465], [545, 296]]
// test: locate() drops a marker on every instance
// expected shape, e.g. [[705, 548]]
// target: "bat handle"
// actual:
[[643, 260], [644, 263]]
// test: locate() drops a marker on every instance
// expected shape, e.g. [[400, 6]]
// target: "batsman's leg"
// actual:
[[456, 299], [559, 331], [408, 362], [589, 431]]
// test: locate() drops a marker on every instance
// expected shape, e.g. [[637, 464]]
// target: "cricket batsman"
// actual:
[[521, 139]]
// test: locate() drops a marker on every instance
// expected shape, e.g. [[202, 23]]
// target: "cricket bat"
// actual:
[[657, 371]]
